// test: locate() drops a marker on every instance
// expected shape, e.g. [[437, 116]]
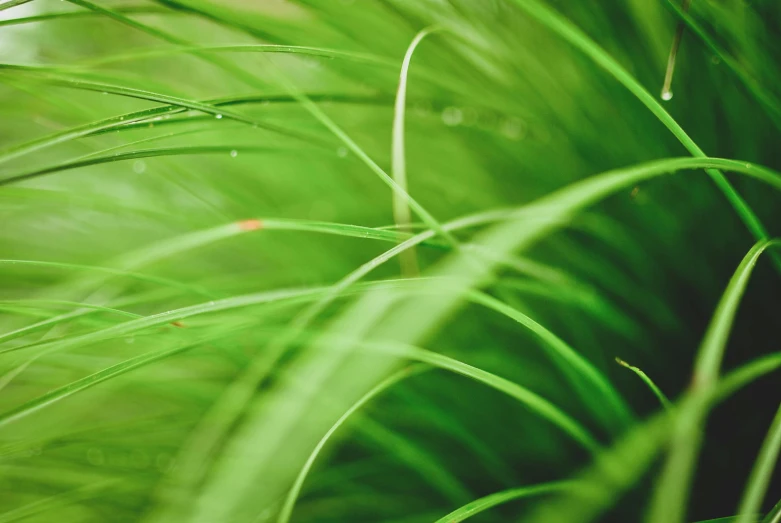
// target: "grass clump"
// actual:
[[317, 260]]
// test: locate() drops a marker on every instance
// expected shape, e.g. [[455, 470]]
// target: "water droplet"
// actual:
[[211, 303], [667, 95], [104, 92], [218, 116], [139, 166], [234, 153], [715, 60], [452, 116], [341, 152], [130, 340], [748, 166]]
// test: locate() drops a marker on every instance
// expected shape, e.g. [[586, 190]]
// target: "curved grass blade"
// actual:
[[616, 469], [670, 500], [159, 116], [68, 80], [537, 218], [318, 52], [290, 499], [566, 356], [774, 516], [649, 382], [302, 99], [66, 303], [59, 501], [114, 272], [353, 147], [765, 97], [487, 502], [401, 210], [576, 37], [761, 474]]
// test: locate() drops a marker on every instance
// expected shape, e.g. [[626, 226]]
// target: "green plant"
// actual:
[[346, 260]]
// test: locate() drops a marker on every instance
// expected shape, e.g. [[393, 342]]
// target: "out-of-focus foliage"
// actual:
[[201, 301]]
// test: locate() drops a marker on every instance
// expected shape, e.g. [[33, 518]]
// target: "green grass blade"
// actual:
[[487, 502], [670, 499], [568, 357], [649, 382], [45, 75], [761, 474], [576, 37], [774, 516], [225, 150], [401, 210]]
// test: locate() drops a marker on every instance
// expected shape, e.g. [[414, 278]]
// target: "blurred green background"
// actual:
[[138, 137]]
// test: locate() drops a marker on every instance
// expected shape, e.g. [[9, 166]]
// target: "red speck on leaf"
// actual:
[[250, 225], [177, 324]]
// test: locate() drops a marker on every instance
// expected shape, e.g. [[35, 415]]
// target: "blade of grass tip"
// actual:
[[292, 496], [565, 355], [580, 40], [667, 93], [761, 474], [774, 516], [529, 399], [353, 147], [764, 96], [618, 468], [649, 382], [492, 500], [401, 210], [672, 489]]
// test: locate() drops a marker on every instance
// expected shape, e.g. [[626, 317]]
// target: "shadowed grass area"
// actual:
[[375, 261]]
